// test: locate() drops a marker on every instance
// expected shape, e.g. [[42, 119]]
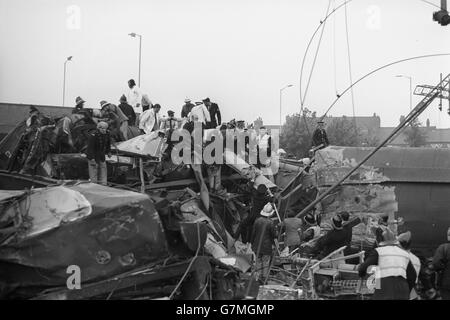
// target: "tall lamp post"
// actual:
[[64, 81], [410, 88], [281, 92], [134, 35]]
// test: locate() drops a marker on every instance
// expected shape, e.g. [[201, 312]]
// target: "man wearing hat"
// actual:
[[334, 239], [117, 121], [441, 263], [259, 198], [405, 242], [214, 114], [170, 123], [263, 240], [187, 107], [99, 145], [320, 139], [395, 275], [127, 110], [79, 105]]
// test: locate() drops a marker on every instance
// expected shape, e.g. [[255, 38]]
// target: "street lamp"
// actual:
[[134, 35], [281, 91], [64, 81], [410, 88]]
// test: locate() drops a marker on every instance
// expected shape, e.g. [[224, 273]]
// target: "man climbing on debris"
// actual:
[[79, 105], [395, 275], [441, 263], [99, 145], [263, 241], [347, 226], [320, 139], [259, 198], [309, 234], [405, 242], [127, 110], [334, 239]]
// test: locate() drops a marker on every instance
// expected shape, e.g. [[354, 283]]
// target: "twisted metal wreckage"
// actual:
[[164, 231]]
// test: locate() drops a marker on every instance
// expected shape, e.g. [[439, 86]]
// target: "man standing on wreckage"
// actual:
[[99, 145]]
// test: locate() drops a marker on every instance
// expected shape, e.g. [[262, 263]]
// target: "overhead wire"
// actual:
[[381, 68], [350, 67]]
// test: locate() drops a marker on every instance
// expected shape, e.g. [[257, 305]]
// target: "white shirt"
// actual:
[[147, 120], [134, 97], [202, 113]]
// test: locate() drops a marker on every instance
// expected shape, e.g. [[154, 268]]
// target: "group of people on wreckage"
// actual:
[[399, 268], [92, 131]]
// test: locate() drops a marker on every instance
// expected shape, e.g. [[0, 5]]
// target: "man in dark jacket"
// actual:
[[214, 112], [99, 145], [334, 239], [441, 263], [259, 199], [263, 239], [320, 136], [186, 109], [127, 110]]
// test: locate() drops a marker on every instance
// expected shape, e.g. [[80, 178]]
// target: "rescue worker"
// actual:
[[259, 198], [405, 242], [134, 96], [149, 120], [187, 107], [214, 113], [441, 263], [264, 153], [348, 225], [395, 272], [127, 110], [263, 241], [334, 239], [169, 124], [292, 227], [320, 139], [117, 121], [310, 229], [79, 105], [99, 145]]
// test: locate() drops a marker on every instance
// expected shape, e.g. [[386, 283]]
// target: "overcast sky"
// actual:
[[237, 52]]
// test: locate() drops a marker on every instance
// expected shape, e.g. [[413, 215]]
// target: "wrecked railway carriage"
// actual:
[[174, 238]]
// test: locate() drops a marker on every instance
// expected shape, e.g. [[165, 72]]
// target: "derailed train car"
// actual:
[[418, 177]]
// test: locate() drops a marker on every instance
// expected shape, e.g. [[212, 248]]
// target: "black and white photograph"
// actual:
[[249, 153]]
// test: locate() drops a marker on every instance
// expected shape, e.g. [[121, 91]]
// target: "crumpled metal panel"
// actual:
[[143, 145], [122, 232]]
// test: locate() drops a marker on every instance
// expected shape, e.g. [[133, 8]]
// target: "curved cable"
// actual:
[[378, 69], [309, 44], [302, 100]]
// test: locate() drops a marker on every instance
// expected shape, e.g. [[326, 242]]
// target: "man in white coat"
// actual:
[[149, 120]]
